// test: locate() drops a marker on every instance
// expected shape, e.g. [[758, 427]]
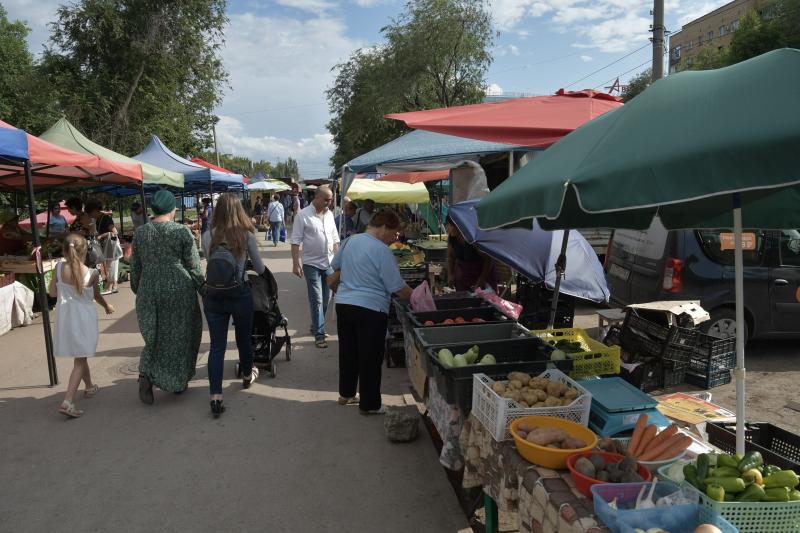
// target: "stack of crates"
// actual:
[[711, 363], [662, 352], [537, 300]]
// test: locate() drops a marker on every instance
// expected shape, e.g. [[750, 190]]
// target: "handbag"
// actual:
[[283, 233], [112, 249], [94, 253], [333, 280]]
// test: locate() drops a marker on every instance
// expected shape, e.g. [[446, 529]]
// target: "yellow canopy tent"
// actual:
[[388, 192]]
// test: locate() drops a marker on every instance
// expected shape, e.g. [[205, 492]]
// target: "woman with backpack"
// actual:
[[228, 244], [166, 277]]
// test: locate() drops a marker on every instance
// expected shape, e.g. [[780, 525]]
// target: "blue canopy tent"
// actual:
[[197, 178], [533, 252]]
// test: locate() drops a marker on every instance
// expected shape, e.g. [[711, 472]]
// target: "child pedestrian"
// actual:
[[76, 287]]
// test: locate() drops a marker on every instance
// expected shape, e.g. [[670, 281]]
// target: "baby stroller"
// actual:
[[267, 318]]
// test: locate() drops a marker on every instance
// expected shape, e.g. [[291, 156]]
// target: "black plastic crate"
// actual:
[[649, 339], [455, 384], [672, 377], [653, 375], [709, 381], [715, 364], [395, 353], [778, 446], [643, 345], [708, 346], [677, 356], [486, 314]]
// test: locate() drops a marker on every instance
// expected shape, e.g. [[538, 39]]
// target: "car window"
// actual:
[[710, 243], [790, 248]]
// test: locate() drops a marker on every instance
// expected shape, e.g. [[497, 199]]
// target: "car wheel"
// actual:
[[723, 324]]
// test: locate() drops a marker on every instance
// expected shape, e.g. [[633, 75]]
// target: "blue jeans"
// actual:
[[218, 313], [275, 229], [318, 297]]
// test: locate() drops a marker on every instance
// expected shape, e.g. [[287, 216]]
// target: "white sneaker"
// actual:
[[379, 411]]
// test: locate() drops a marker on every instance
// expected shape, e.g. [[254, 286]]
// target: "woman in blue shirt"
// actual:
[[369, 277], [58, 224]]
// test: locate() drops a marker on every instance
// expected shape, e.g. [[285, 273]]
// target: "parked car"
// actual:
[[656, 264]]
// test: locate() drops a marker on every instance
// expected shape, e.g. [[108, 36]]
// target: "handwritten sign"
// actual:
[[727, 241]]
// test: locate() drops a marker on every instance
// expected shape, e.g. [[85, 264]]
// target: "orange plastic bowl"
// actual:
[[584, 483], [551, 457]]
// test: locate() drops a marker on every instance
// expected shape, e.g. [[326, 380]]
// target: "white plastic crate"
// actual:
[[496, 413]]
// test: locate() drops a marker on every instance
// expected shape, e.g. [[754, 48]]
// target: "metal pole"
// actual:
[[121, 222], [43, 303], [739, 371], [49, 201], [658, 39], [561, 267], [183, 209]]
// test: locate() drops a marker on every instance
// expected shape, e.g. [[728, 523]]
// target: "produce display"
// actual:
[[530, 391], [648, 444], [470, 357], [735, 478], [595, 467], [456, 320], [549, 437], [564, 349]]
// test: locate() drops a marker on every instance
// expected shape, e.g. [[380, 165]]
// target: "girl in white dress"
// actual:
[[76, 287]]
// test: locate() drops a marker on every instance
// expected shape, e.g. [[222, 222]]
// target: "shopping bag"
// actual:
[[112, 250], [422, 299], [283, 233], [510, 309]]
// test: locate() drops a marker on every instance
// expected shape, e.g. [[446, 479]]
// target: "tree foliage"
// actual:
[[26, 98], [287, 170], [637, 84], [129, 68], [436, 54]]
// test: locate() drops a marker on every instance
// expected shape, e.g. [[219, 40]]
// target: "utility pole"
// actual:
[[658, 39], [216, 149]]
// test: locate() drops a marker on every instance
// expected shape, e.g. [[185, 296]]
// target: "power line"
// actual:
[[519, 67], [649, 61], [606, 66]]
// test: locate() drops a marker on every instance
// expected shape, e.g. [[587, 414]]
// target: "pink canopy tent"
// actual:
[[535, 122], [416, 177]]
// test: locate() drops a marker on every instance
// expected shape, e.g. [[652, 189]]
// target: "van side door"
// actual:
[[785, 283]]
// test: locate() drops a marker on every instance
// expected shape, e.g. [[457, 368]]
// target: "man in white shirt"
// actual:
[[275, 217], [315, 231]]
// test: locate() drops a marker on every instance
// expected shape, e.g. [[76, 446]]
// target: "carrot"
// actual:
[[679, 445], [654, 451], [663, 435], [647, 436], [641, 422]]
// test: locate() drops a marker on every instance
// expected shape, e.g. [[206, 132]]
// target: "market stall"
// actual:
[[27, 163]]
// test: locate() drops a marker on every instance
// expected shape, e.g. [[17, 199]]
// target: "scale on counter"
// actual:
[[616, 405]]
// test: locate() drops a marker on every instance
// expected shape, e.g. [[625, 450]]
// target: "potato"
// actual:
[[539, 383], [519, 376], [523, 403], [516, 395], [553, 389], [542, 395], [508, 393], [525, 426], [515, 384], [522, 434], [498, 387], [539, 404], [571, 443], [545, 436], [571, 394], [552, 401]]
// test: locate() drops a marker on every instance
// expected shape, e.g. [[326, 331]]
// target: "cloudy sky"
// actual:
[[279, 54]]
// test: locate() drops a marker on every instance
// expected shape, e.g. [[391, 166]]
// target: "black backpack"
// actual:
[[223, 278]]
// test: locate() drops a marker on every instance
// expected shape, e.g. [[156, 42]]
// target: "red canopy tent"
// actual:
[[53, 166], [537, 122], [416, 177]]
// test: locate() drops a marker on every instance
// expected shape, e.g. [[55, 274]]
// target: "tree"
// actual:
[[710, 58], [287, 170], [129, 68], [637, 84], [754, 37], [26, 98], [436, 54]]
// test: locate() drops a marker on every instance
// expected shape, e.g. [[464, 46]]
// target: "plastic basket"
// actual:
[[715, 379], [522, 355], [710, 364], [755, 517], [649, 339], [497, 413], [673, 518], [597, 360], [778, 446]]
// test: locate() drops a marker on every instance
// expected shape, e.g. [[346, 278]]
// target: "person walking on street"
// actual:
[[315, 231], [258, 211], [138, 216], [362, 216], [166, 277], [76, 288], [106, 235], [205, 214], [369, 275], [229, 243], [275, 217]]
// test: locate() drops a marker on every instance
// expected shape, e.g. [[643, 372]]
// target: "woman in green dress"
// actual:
[[166, 277]]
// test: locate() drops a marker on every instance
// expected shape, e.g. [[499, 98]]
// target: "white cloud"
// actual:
[[37, 14], [494, 90], [513, 50], [587, 59], [281, 65]]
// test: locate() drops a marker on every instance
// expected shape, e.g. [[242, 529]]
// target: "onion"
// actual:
[[707, 528]]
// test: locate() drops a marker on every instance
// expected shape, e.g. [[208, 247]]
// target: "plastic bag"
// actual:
[[422, 299], [510, 309]]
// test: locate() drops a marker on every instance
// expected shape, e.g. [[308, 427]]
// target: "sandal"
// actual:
[[91, 391], [345, 400], [68, 408]]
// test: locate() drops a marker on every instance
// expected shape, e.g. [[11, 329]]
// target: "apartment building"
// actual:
[[714, 29]]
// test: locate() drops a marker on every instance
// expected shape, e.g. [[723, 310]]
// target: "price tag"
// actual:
[[727, 241]]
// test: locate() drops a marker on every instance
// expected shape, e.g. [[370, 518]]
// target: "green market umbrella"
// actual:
[[712, 149]]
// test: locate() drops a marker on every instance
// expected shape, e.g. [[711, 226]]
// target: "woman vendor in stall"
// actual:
[[13, 238], [467, 267]]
